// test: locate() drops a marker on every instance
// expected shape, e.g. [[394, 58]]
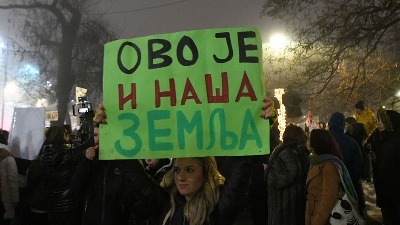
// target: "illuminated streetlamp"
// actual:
[[281, 112], [278, 41]]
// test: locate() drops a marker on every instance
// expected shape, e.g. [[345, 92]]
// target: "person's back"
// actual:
[[348, 146], [365, 116], [352, 155], [286, 179], [385, 143], [37, 195], [59, 163], [9, 186]]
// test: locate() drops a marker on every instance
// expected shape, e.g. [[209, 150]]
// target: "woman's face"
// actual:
[[189, 177]]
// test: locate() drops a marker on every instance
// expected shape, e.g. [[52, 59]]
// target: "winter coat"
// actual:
[[323, 185], [286, 181], [60, 163], [367, 118], [386, 166], [8, 183], [349, 148], [148, 199], [103, 184], [36, 187]]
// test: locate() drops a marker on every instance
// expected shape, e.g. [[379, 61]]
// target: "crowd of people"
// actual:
[[299, 183]]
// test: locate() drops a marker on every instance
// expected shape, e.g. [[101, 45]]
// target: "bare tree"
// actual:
[[344, 50], [66, 43]]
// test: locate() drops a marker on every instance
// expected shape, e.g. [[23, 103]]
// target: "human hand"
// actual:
[[265, 166], [90, 153], [269, 109], [100, 116]]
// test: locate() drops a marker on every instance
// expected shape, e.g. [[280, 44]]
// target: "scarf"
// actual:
[[345, 178]]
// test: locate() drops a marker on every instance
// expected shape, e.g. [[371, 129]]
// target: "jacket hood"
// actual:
[[337, 122]]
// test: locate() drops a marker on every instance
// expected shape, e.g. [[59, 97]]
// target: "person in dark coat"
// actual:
[[37, 195], [157, 168], [59, 161], [104, 186], [353, 158], [286, 179], [385, 145], [359, 134], [193, 192]]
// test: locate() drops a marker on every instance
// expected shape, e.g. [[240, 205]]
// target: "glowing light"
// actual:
[[281, 112], [278, 41], [42, 103], [11, 87]]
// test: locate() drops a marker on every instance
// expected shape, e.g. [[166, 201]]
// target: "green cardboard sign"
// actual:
[[184, 94]]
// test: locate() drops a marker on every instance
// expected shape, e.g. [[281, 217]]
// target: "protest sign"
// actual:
[[184, 94], [27, 132]]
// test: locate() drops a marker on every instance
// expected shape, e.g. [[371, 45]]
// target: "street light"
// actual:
[[278, 41]]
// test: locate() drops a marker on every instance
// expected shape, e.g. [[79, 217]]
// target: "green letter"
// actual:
[[152, 116], [184, 124], [130, 132], [224, 134], [249, 122]]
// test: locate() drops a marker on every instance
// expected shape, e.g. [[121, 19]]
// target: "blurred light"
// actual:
[[384, 107], [398, 94], [11, 87], [278, 41], [2, 45], [31, 70], [42, 103], [281, 112]]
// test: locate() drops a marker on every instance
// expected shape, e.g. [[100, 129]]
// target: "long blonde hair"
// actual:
[[198, 209]]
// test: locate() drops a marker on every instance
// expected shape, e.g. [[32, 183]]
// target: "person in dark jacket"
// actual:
[[37, 196], [286, 179], [104, 185], [352, 155], [157, 168], [385, 144], [193, 192], [59, 161]]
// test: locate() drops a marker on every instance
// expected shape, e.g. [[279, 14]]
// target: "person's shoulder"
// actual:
[[329, 166], [369, 112]]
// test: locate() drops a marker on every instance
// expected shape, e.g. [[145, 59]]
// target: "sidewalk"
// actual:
[[374, 214]]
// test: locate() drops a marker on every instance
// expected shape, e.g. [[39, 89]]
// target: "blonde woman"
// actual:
[[193, 192]]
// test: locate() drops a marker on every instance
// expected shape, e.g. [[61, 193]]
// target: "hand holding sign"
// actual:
[[268, 108], [192, 93]]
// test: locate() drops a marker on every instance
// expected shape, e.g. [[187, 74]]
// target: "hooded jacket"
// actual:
[[349, 148], [367, 118], [59, 164]]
